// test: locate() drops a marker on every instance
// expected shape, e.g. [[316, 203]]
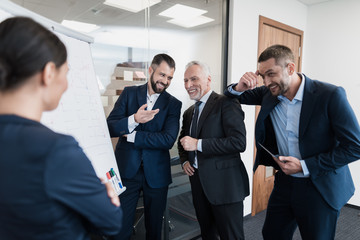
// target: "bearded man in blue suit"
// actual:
[[146, 120], [313, 129]]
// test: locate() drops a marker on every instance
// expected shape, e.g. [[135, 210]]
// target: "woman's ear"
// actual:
[[48, 74]]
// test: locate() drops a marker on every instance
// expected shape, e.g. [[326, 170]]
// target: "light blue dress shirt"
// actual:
[[285, 118]]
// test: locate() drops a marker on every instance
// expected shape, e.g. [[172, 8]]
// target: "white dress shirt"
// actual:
[[150, 100]]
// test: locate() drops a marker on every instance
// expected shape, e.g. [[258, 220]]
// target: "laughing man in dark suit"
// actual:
[[210, 143], [311, 125]]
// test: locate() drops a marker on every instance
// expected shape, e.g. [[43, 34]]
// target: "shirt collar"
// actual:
[[154, 96], [205, 97]]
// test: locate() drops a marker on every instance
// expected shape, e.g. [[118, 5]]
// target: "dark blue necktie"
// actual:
[[193, 130]]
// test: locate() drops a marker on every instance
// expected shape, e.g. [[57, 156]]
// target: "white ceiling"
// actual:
[[95, 12]]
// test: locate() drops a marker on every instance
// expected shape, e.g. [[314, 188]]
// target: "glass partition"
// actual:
[[125, 41]]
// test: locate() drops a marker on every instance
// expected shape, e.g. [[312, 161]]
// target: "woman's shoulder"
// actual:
[[35, 138]]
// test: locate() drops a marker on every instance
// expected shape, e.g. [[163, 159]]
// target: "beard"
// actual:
[[281, 89], [153, 85], [282, 85], [197, 95]]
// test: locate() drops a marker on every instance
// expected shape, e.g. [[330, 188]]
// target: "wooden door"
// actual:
[[272, 32]]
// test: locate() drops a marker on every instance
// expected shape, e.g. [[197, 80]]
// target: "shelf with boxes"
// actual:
[[121, 78]]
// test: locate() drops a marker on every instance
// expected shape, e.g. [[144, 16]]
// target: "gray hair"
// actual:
[[203, 66]]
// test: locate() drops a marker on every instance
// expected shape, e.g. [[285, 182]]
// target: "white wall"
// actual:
[[333, 55], [202, 45], [243, 44]]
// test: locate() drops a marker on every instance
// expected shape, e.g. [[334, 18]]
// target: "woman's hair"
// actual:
[[25, 48]]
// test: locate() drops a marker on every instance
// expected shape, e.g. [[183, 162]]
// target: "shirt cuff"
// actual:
[[184, 164], [199, 145], [304, 168], [232, 91], [131, 137], [131, 123]]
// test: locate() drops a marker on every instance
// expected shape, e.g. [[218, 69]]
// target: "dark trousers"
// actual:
[[224, 221], [154, 206], [296, 202]]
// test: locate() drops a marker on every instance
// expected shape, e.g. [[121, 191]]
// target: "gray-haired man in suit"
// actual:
[[212, 136]]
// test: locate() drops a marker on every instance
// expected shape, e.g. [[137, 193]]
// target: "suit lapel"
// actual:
[[307, 107], [188, 118], [162, 101], [141, 94], [206, 110], [269, 104]]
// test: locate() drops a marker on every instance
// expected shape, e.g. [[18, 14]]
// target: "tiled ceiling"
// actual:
[[95, 12]]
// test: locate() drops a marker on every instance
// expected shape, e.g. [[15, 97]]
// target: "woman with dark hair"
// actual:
[[48, 187]]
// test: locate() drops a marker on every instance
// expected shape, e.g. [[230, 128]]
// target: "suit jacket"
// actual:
[[329, 136], [48, 187], [153, 139], [221, 127]]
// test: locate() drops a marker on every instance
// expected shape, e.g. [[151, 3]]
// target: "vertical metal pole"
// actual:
[[225, 42]]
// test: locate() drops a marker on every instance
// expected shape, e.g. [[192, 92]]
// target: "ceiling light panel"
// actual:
[[131, 5], [80, 26], [191, 22], [179, 11]]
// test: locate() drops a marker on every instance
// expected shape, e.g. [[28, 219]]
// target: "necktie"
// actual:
[[193, 130]]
